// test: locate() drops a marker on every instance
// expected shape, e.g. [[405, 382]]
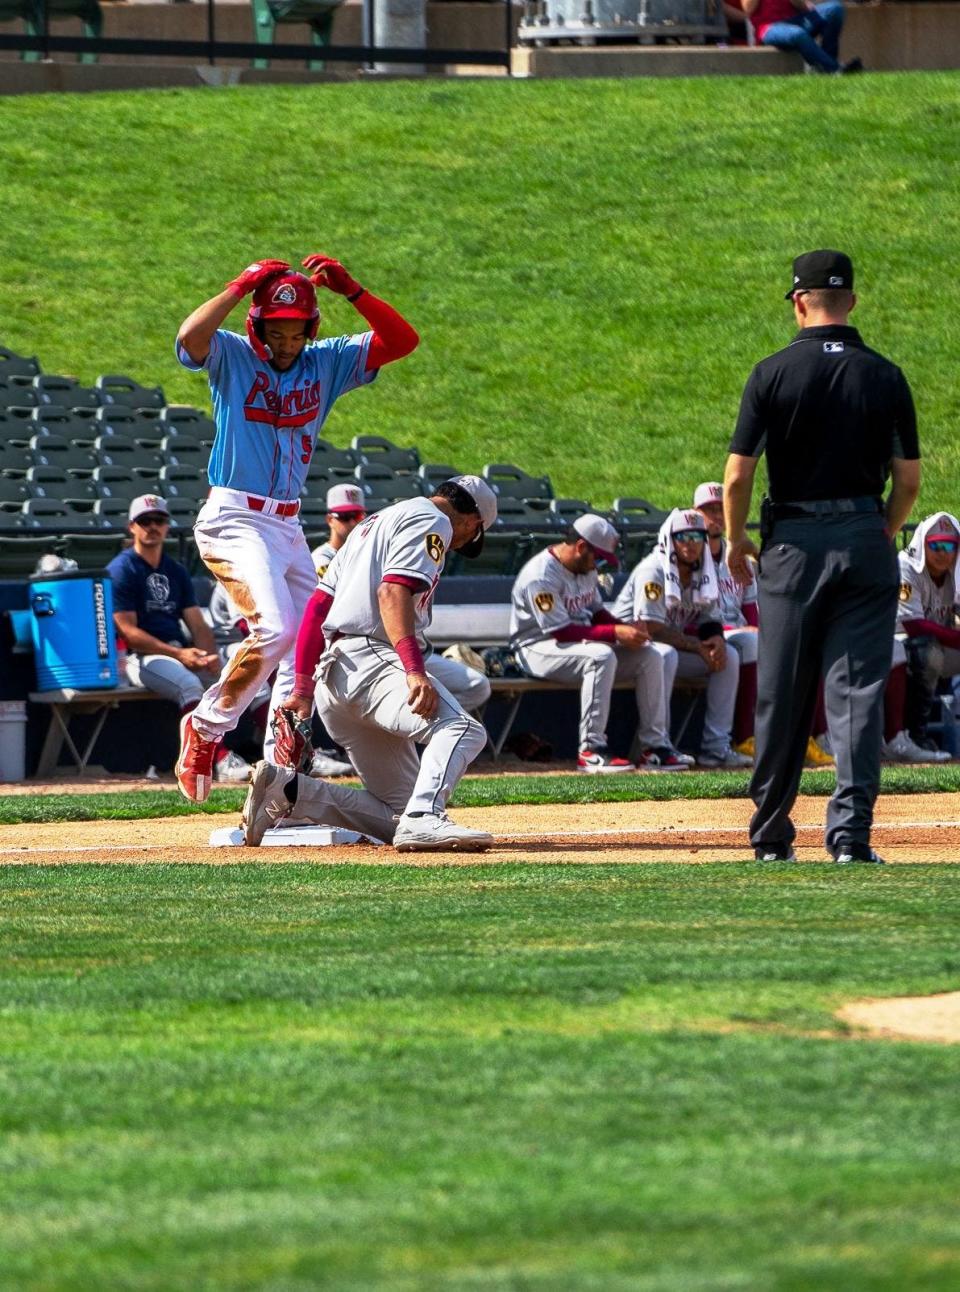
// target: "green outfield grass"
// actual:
[[503, 1078], [473, 791], [594, 266]]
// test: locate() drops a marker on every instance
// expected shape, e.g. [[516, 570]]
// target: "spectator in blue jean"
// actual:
[[812, 30]]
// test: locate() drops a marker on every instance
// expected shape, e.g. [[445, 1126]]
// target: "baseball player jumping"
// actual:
[[360, 653], [272, 390]]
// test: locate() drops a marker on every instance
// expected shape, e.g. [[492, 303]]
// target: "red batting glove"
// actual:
[[332, 275], [254, 275]]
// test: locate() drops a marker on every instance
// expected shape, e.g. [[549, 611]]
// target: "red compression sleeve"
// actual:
[[751, 614], [587, 633], [405, 581], [310, 642], [603, 616], [411, 657], [927, 628], [393, 337]]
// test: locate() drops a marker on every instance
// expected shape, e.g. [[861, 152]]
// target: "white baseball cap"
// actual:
[[599, 533], [346, 497], [486, 501], [682, 520], [147, 502], [710, 491]]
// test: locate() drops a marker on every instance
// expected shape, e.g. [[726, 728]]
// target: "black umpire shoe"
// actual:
[[857, 854], [775, 852]]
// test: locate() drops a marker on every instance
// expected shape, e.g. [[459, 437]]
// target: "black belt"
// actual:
[[826, 507]]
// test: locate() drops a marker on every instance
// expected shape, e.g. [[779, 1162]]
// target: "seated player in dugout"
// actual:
[[561, 630], [152, 594], [927, 631], [674, 594], [360, 656], [738, 609], [346, 508]]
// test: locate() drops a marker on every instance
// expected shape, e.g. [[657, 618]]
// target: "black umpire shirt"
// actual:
[[830, 413]]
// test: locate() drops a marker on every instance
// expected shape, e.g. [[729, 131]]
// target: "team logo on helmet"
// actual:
[[435, 547], [544, 602], [652, 591], [286, 294], [906, 592]]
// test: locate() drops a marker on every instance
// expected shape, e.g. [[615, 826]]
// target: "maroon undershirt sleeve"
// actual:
[[587, 633], [927, 628]]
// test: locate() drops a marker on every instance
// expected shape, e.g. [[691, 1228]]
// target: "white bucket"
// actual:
[[13, 740]]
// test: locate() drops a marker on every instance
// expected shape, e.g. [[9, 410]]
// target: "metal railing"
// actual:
[[211, 50]]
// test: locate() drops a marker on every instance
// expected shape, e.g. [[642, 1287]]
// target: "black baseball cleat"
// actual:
[[774, 852], [852, 65], [854, 854]]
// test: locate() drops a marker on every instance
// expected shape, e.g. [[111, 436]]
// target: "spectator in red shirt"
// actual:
[[813, 30]]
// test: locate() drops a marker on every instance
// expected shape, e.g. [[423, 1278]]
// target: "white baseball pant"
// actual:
[[265, 566], [596, 667]]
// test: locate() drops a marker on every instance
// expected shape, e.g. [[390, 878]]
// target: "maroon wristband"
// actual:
[[411, 657], [303, 685]]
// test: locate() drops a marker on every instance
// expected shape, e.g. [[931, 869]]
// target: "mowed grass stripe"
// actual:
[[473, 791], [506, 1078]]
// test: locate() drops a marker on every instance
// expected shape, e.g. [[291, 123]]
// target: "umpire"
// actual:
[[836, 420]]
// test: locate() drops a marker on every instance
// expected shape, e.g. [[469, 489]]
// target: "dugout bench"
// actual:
[[68, 703], [513, 689]]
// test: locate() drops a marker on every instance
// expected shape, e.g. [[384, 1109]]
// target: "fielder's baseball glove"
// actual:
[[293, 740]]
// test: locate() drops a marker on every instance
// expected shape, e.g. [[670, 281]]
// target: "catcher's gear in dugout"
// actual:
[[293, 740]]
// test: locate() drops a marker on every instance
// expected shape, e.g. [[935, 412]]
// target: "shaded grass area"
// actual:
[[594, 266], [473, 791], [503, 1079]]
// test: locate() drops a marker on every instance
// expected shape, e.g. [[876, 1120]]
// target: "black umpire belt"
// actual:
[[826, 507]]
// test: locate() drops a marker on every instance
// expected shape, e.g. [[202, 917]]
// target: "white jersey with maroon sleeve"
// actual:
[[921, 598], [409, 541], [547, 596], [733, 595], [643, 596]]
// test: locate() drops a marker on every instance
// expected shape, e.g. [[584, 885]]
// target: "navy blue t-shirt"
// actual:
[[158, 596]]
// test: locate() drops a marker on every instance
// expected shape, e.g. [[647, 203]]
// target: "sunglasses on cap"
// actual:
[[347, 515], [943, 544], [152, 518], [690, 535]]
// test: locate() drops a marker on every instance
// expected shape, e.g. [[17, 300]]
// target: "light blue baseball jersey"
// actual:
[[268, 421]]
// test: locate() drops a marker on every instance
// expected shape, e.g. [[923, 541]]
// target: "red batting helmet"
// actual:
[[288, 296]]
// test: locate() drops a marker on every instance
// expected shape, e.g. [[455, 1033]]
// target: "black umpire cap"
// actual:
[[821, 269]]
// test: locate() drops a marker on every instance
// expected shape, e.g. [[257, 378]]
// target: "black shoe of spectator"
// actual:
[[852, 65]]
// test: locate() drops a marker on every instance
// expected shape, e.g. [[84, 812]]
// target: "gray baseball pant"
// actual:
[[595, 666], [361, 698], [721, 693]]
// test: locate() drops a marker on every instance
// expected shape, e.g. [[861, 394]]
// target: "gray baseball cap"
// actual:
[[486, 501]]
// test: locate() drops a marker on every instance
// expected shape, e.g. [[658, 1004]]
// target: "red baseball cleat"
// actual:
[[194, 769]]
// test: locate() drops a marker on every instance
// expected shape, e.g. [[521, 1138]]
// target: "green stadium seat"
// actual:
[[55, 482], [129, 393], [182, 482], [54, 513], [519, 517], [317, 14], [117, 419], [182, 419], [383, 486], [95, 549], [11, 363], [508, 481], [51, 388], [337, 463], [69, 423], [55, 451], [375, 450], [117, 482], [183, 512], [14, 492], [111, 513], [13, 395], [20, 550], [14, 460], [566, 510]]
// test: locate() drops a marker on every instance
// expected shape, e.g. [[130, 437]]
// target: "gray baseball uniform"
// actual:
[[362, 692], [644, 597], [547, 598], [734, 596]]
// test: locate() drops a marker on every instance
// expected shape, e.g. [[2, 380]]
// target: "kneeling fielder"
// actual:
[[372, 690]]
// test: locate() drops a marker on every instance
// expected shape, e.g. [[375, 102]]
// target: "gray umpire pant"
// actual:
[[828, 600]]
